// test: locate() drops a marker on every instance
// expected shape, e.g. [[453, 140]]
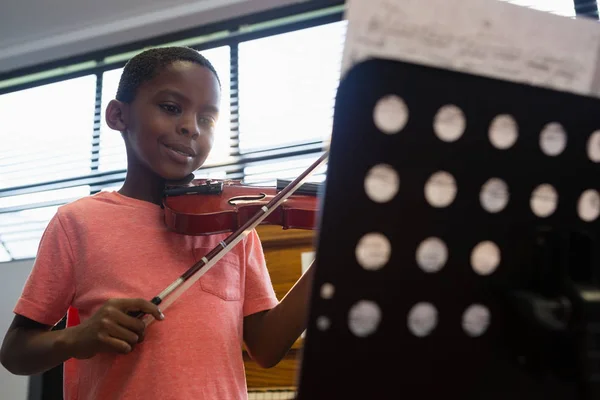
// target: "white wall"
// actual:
[[12, 279], [34, 31]]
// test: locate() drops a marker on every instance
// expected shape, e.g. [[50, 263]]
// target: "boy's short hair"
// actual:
[[145, 66]]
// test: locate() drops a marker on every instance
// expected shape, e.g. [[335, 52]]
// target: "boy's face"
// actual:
[[170, 126]]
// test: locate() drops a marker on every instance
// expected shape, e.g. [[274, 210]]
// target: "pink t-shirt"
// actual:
[[111, 246]]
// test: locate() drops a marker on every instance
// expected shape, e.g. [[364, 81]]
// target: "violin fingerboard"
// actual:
[[441, 187]]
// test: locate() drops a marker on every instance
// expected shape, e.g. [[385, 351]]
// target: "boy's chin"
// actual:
[[175, 175], [180, 180]]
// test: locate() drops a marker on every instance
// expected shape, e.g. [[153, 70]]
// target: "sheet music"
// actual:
[[483, 37]]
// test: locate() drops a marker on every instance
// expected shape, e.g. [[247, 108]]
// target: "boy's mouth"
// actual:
[[179, 153]]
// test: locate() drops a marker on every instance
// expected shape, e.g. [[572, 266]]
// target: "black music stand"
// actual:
[[457, 255]]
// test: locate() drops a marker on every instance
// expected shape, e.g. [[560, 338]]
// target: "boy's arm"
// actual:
[[31, 348], [269, 335]]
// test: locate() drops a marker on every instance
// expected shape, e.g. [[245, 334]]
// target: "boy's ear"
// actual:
[[117, 115]]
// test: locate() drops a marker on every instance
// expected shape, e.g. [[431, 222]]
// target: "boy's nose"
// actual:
[[188, 130]]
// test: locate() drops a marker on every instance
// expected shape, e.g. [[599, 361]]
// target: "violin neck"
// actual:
[[306, 189]]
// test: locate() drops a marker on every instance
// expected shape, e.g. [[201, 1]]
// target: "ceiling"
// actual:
[[34, 31]]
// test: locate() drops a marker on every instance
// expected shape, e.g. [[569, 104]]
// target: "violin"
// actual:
[[227, 206], [210, 206]]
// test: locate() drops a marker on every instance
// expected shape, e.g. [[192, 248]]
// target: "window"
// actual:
[[220, 59], [46, 136], [266, 174], [112, 149], [21, 231], [289, 99], [46, 132]]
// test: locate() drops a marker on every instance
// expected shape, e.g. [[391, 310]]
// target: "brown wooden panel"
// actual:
[[274, 236], [283, 249]]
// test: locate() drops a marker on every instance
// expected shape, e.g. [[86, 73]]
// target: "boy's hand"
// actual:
[[110, 329]]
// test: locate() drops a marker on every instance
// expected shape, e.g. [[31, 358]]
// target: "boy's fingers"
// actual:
[[119, 332], [133, 324], [147, 307], [116, 344]]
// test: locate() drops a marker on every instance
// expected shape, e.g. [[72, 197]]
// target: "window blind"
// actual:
[[287, 86], [288, 168], [290, 100], [45, 132], [53, 143]]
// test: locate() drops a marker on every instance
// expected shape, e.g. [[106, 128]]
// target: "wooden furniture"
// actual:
[[283, 252]]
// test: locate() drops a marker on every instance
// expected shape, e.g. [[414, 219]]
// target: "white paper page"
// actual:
[[482, 37]]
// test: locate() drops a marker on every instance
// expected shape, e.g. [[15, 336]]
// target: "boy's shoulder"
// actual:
[[86, 202], [90, 204]]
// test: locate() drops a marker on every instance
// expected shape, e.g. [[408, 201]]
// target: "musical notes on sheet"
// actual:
[[553, 139], [432, 255], [485, 257], [382, 183], [494, 195], [475, 320], [544, 200], [390, 114], [373, 251], [364, 318], [593, 147], [503, 131], [449, 123], [422, 319], [440, 189], [483, 37], [588, 206]]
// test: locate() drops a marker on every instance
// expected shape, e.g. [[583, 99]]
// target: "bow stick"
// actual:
[[195, 272]]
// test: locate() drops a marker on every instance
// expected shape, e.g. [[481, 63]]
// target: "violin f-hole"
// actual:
[[243, 199]]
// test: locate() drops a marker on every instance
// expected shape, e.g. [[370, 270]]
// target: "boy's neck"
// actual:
[[142, 184]]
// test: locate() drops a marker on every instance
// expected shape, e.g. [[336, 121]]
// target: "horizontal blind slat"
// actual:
[[52, 143], [290, 99]]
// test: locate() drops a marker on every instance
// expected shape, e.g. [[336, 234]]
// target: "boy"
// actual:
[[107, 253]]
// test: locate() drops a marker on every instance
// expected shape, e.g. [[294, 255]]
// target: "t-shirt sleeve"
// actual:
[[259, 292], [49, 288]]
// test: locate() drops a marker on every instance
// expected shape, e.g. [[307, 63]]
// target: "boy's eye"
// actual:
[[170, 108], [207, 122]]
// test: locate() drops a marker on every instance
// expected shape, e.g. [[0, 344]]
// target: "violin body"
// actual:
[[210, 206]]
